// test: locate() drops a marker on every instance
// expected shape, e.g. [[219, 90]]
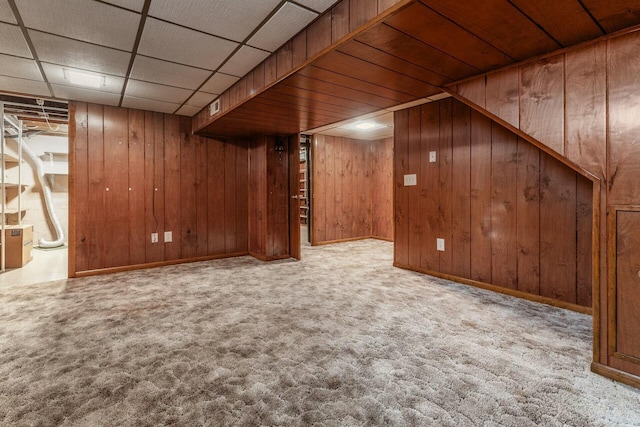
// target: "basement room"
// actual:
[[320, 212]]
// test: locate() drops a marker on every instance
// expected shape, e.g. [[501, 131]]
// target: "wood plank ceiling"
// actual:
[[416, 51]]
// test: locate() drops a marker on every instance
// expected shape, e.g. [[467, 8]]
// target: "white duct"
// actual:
[[46, 190]]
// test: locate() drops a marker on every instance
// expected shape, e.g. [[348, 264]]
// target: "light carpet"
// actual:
[[340, 338]]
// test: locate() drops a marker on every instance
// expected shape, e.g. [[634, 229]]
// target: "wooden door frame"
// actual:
[[295, 248]]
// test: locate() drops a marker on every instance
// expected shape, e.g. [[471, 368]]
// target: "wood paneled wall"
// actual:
[[352, 189], [582, 103], [269, 198], [136, 173], [510, 214]]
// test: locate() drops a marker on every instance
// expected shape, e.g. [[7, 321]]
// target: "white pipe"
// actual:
[[46, 190]]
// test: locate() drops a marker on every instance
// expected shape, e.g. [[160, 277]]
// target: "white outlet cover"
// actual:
[[432, 156], [154, 237], [168, 236], [440, 244], [410, 180]]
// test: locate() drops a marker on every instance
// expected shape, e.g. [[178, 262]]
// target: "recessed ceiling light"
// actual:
[[363, 125], [366, 125], [82, 78]]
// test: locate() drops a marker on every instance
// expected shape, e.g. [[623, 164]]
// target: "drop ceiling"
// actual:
[[160, 55]]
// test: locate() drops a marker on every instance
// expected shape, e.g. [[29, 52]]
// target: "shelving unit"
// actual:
[[304, 202]]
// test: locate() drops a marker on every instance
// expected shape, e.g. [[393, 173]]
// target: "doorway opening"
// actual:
[[35, 202]]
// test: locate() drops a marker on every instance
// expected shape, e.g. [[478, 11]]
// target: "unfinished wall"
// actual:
[[351, 189], [510, 215], [137, 173]]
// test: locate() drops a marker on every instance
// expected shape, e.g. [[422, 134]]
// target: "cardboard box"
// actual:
[[19, 240]]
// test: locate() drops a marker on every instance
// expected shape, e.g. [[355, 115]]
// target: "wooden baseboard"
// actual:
[[615, 375], [351, 239], [499, 289], [265, 258], [124, 268]]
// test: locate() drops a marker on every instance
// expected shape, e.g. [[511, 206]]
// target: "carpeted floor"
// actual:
[[338, 339]]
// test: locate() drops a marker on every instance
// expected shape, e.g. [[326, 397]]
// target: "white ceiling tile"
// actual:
[[157, 92], [286, 23], [13, 42], [168, 73], [188, 110], [55, 74], [59, 50], [128, 4], [30, 87], [6, 15], [244, 60], [218, 83], [83, 20], [149, 105], [200, 99], [231, 19], [317, 5], [178, 44], [86, 95], [23, 68]]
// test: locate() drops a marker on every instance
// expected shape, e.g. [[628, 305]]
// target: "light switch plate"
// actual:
[[168, 236], [432, 156], [154, 237], [410, 180], [440, 244]]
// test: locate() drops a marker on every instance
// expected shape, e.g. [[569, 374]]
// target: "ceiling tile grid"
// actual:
[[188, 51], [12, 42], [6, 15], [89, 21]]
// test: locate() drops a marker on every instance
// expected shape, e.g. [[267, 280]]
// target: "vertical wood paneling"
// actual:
[[202, 220], [270, 70], [78, 133], [216, 198], [339, 202], [503, 209], [96, 228], [413, 192], [230, 198], [628, 283], [349, 157], [116, 177], [490, 211], [624, 110], [480, 198], [188, 192], [277, 201], [340, 20], [299, 49], [382, 189], [331, 221], [528, 217], [258, 197], [445, 154], [461, 191], [159, 178], [319, 183], [284, 60], [557, 230], [137, 231], [585, 107], [154, 187], [542, 101], [361, 12], [474, 90], [401, 197], [319, 35], [242, 196], [258, 77], [172, 201], [584, 224], [502, 95], [429, 188], [295, 166]]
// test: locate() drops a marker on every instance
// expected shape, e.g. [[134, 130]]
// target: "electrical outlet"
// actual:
[[432, 156], [154, 237], [440, 244], [168, 236]]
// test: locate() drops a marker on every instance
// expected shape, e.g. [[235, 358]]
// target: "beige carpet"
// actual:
[[338, 339]]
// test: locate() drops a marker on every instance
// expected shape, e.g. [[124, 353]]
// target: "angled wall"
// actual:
[[511, 216]]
